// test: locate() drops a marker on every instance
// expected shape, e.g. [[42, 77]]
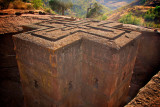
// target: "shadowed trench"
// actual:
[[10, 86]]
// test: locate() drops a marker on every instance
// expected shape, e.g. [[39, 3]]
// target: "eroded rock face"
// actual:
[[76, 63], [149, 95]]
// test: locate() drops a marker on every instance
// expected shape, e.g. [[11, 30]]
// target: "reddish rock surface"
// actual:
[[10, 88], [75, 63], [149, 95], [13, 23]]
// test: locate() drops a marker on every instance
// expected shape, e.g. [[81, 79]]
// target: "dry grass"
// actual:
[[18, 4]]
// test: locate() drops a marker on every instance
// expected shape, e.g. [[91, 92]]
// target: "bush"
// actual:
[[130, 19], [157, 14], [153, 14], [37, 3], [17, 4], [49, 10], [149, 17], [101, 17], [60, 6], [29, 6], [157, 9], [142, 2], [151, 24], [104, 17]]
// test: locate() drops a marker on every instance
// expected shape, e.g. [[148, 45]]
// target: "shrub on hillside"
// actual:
[[149, 17], [37, 3], [49, 10], [130, 19], [157, 13], [18, 4], [104, 17], [29, 6], [153, 14], [142, 2], [151, 24], [101, 17], [60, 6]]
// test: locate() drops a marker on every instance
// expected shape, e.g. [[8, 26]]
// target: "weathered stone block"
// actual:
[[70, 63]]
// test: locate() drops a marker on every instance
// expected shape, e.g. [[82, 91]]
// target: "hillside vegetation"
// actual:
[[80, 7], [114, 4], [141, 12], [22, 4], [77, 9]]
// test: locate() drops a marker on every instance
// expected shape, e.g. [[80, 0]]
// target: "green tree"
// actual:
[[153, 14], [142, 2], [37, 3], [94, 11], [60, 6]]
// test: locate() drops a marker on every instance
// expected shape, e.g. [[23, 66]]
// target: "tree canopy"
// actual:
[[60, 6], [94, 11]]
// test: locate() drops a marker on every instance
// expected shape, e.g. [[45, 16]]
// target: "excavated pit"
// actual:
[[147, 63], [84, 52], [10, 86]]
